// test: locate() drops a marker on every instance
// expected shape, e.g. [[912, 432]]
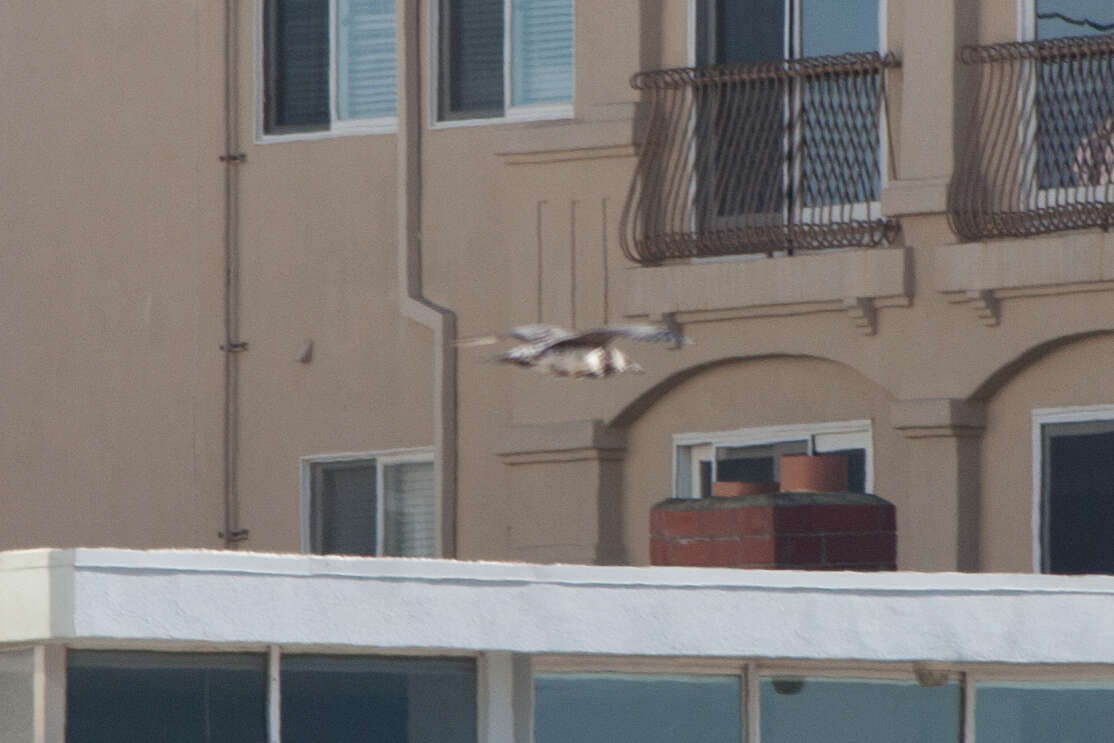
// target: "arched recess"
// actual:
[[1003, 374], [1066, 374], [741, 393]]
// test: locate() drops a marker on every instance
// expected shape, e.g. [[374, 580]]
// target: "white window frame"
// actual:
[[337, 126], [1103, 413], [382, 458], [688, 448], [511, 114], [859, 210]]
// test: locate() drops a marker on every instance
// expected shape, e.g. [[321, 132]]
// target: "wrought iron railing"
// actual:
[[1037, 149], [758, 158]]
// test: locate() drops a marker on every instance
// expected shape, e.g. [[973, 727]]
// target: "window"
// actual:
[[1074, 122], [1034, 712], [1076, 492], [753, 455], [353, 699], [141, 697], [810, 141], [640, 708], [845, 710], [505, 58], [154, 697], [328, 66], [381, 504]]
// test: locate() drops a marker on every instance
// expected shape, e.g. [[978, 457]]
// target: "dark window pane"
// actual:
[[740, 31], [739, 126], [296, 34], [471, 58], [858, 711], [1037, 713], [856, 469], [754, 463], [348, 699], [344, 508], [126, 697], [1079, 501], [635, 708]]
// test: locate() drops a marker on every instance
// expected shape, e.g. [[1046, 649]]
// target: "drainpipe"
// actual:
[[412, 302], [232, 158]]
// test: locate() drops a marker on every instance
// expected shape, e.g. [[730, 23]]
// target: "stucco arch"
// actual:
[[1001, 376], [633, 410], [1066, 372], [732, 393]]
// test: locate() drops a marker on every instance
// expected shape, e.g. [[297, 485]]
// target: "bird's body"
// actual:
[[552, 350]]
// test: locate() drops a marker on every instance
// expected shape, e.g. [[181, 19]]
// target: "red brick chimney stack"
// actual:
[[813, 523]]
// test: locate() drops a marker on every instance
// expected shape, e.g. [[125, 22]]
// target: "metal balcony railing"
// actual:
[[758, 158], [1036, 154]]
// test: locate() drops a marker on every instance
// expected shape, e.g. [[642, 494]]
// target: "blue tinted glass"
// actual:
[[838, 27], [118, 697], [858, 711], [1057, 18], [639, 708], [1037, 713], [345, 699]]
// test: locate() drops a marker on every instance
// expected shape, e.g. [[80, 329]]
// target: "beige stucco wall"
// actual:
[[1070, 375], [111, 271]]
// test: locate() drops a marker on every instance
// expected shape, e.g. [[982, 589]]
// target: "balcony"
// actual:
[[1037, 154], [759, 158]]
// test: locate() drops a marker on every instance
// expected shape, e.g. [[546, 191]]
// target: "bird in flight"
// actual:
[[549, 349]]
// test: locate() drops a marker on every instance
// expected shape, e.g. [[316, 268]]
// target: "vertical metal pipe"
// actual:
[[413, 303], [232, 345]]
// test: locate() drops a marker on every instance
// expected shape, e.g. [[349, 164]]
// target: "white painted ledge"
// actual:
[[108, 597]]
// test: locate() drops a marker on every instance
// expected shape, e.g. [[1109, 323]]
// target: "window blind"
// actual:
[[542, 51], [365, 59], [408, 509], [297, 90]]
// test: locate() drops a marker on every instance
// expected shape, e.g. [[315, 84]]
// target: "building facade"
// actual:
[[243, 238]]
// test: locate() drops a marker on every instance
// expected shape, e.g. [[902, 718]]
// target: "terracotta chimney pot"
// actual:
[[816, 473]]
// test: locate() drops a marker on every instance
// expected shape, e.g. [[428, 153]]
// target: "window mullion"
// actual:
[[508, 20], [380, 511], [334, 62], [752, 723], [274, 695], [967, 729]]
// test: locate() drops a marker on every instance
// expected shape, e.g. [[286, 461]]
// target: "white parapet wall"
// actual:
[[194, 598]]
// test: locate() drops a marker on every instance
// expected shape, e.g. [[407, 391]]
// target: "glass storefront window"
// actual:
[[142, 697], [1031, 712], [858, 711], [636, 708]]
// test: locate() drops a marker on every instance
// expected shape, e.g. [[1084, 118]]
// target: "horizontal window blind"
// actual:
[[409, 509], [365, 59], [542, 51]]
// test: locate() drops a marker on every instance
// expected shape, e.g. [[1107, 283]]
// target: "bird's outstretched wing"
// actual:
[[539, 333], [536, 333], [639, 332]]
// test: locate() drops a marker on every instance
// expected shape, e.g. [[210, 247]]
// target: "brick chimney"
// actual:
[[811, 524]]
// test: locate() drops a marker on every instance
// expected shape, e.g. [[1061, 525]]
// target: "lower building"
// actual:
[[119, 645]]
